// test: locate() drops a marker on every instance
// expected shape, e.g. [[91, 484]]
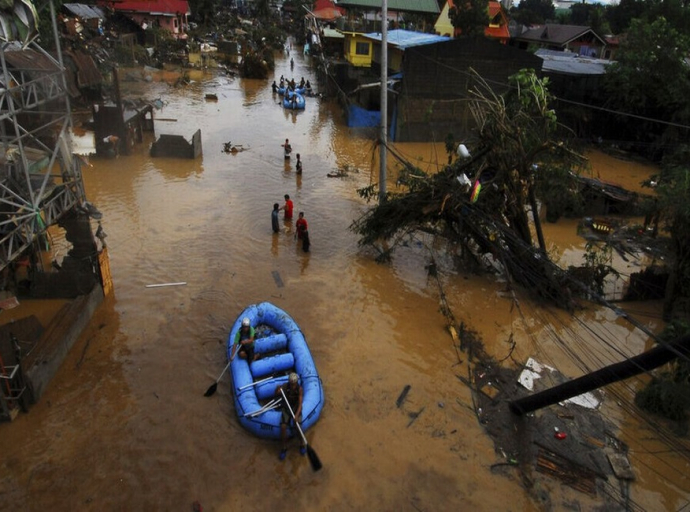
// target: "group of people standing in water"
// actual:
[[290, 85], [301, 227]]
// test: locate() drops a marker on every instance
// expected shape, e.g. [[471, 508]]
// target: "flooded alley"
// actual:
[[125, 425]]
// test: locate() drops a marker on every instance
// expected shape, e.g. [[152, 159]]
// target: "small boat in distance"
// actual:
[[282, 349]]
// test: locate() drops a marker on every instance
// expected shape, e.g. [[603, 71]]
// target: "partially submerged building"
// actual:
[[429, 79], [41, 193], [170, 15]]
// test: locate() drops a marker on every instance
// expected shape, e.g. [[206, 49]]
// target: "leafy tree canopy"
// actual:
[[592, 16], [203, 11], [470, 16], [652, 79], [676, 12], [533, 12]]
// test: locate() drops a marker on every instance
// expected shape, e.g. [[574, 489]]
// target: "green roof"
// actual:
[[420, 6]]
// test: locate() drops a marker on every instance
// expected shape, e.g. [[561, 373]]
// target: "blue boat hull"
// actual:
[[298, 104], [283, 348]]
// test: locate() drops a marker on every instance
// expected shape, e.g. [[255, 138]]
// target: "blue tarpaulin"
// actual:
[[357, 117]]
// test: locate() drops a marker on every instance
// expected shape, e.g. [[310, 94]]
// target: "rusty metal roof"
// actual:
[[87, 73], [30, 60]]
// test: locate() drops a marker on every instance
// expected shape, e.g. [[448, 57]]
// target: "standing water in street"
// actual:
[[124, 424]]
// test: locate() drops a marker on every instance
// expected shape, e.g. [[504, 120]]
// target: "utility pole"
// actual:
[[653, 358], [383, 141]]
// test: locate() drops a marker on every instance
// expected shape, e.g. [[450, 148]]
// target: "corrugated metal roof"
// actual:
[[38, 66], [421, 6], [407, 38], [84, 11], [30, 60], [331, 33], [88, 74], [571, 63]]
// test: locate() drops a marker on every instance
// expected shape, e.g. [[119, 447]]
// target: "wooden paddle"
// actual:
[[313, 458], [212, 389]]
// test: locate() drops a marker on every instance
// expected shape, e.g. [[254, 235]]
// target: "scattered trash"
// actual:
[[414, 416], [402, 396]]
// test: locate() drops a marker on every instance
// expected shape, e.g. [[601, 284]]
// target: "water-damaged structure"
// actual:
[[41, 196]]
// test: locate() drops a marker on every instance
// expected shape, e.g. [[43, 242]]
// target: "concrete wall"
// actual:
[[58, 338]]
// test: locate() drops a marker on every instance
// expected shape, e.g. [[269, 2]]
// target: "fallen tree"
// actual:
[[483, 199]]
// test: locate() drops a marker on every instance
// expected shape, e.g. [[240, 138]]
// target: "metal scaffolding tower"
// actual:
[[40, 178]]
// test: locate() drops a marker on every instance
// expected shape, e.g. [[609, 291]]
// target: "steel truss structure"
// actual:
[[40, 178]]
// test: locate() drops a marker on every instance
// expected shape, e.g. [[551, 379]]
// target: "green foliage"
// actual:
[[651, 78], [533, 12], [203, 11], [668, 393], [556, 186], [514, 131], [598, 265], [666, 398], [129, 56], [673, 192], [590, 15], [621, 15], [518, 126], [470, 16]]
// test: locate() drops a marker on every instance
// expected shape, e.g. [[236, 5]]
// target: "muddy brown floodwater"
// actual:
[[125, 426]]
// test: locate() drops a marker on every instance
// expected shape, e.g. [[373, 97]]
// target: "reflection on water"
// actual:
[[129, 398]]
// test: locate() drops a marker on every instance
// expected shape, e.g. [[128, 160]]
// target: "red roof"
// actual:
[[330, 4], [153, 6], [494, 9]]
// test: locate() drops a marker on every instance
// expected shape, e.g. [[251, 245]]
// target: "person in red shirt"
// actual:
[[301, 226], [288, 206]]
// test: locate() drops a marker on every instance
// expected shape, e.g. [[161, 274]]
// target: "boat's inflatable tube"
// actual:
[[298, 104], [283, 348]]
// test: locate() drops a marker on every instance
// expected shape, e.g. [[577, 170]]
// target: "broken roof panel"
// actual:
[[85, 12], [331, 33], [571, 63], [406, 38]]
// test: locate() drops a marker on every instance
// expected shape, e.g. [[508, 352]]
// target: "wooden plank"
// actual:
[[106, 277]]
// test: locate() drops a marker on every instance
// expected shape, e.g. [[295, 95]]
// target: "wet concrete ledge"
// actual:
[[58, 339]]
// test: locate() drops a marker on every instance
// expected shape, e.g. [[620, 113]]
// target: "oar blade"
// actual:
[[212, 389], [313, 459]]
